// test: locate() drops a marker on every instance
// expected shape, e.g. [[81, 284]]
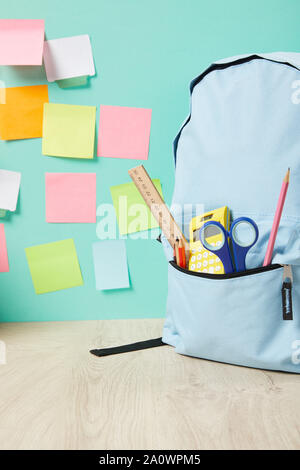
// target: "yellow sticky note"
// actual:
[[54, 266], [131, 210], [69, 130], [21, 112]]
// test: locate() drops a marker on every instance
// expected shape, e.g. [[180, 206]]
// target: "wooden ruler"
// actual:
[[156, 205]]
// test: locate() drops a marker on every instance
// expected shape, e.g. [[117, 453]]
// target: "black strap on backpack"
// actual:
[[150, 343]]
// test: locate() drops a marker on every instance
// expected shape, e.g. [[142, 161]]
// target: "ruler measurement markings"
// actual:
[[156, 205]]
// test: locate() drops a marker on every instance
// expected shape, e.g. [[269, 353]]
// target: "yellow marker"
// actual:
[[202, 260]]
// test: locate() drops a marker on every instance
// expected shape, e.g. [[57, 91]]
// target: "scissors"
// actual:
[[243, 234]]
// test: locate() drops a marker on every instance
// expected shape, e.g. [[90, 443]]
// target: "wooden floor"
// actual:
[[55, 395]]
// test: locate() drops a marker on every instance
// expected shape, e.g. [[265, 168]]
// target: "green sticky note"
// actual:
[[72, 82], [54, 266], [2, 213], [131, 210], [69, 130]]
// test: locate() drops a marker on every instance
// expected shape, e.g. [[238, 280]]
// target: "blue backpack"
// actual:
[[233, 150]]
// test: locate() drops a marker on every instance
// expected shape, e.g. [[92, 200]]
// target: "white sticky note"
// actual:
[[68, 57], [110, 263], [9, 189]]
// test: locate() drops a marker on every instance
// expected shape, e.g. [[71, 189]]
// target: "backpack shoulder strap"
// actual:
[[150, 343]]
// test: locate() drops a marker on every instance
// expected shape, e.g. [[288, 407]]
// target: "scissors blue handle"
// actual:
[[222, 250], [240, 249]]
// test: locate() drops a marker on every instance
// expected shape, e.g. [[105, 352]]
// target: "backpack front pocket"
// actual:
[[233, 318]]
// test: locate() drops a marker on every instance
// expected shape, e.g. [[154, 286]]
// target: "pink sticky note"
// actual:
[[21, 42], [4, 267], [124, 132], [71, 197]]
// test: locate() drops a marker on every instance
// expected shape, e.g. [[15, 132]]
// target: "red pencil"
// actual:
[[181, 250]]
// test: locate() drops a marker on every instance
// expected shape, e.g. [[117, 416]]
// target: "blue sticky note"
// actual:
[[110, 263]]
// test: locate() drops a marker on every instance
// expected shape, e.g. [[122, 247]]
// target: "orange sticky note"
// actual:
[[21, 112]]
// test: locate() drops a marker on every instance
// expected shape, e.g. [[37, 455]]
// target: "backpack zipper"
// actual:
[[248, 272]]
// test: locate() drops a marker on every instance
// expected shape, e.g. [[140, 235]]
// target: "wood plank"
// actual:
[[55, 395]]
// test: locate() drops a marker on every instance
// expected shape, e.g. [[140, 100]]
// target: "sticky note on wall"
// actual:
[[131, 210], [54, 266], [68, 57], [4, 267], [21, 117], [9, 189], [69, 130], [110, 264], [70, 197], [124, 132], [21, 41]]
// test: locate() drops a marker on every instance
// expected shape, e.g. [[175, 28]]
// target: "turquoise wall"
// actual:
[[146, 53]]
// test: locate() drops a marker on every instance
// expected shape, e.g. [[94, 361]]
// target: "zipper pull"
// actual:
[[286, 292]]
